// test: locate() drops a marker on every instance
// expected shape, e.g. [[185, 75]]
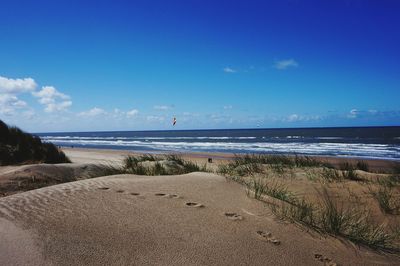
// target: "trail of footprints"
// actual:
[[327, 261], [266, 236]]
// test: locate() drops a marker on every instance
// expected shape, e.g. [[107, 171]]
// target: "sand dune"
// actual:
[[193, 219]]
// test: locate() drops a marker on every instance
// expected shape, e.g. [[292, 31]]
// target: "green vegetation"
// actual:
[[350, 219], [330, 218], [272, 189], [18, 147], [385, 195], [331, 174], [361, 165], [251, 164], [147, 164], [351, 175]]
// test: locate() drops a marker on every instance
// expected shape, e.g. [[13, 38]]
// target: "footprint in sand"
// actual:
[[120, 191], [104, 188], [268, 237], [327, 261], [171, 196], [233, 216], [194, 204]]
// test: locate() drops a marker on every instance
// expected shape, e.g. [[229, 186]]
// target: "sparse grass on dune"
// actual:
[[284, 160], [351, 175], [331, 174], [285, 166], [302, 212], [323, 213], [147, 165], [396, 168], [251, 164], [272, 189], [361, 165], [330, 218], [386, 195]]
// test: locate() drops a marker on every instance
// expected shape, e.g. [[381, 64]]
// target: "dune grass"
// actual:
[[349, 220], [18, 147], [328, 217], [331, 175], [385, 195], [251, 164], [362, 165], [146, 164]]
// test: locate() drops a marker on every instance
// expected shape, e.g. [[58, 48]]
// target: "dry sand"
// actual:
[[121, 220], [193, 219]]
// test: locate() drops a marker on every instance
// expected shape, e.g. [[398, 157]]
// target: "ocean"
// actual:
[[363, 142]]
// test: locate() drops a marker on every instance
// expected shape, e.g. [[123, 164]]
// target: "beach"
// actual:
[[192, 219], [89, 155], [200, 133]]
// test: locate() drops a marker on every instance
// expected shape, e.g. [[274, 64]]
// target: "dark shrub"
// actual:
[[17, 146], [361, 165]]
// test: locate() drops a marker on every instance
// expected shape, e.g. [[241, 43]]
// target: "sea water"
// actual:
[[367, 142]]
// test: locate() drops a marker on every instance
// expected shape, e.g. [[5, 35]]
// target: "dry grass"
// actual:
[[345, 218], [331, 218], [386, 196], [147, 165]]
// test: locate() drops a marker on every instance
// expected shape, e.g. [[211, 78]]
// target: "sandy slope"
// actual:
[[120, 220]]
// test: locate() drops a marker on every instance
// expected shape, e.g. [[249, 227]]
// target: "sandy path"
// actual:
[[121, 220]]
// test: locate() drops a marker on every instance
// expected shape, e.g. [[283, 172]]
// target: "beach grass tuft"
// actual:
[[331, 174], [362, 165], [251, 164], [385, 196], [330, 218]]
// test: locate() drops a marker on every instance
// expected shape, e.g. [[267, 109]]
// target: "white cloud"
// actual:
[[93, 112], [8, 85], [285, 64], [11, 100], [52, 99], [296, 118], [293, 118], [155, 118], [162, 107], [353, 113], [132, 113], [55, 107], [117, 111], [220, 118], [229, 70], [228, 107], [29, 114], [9, 104]]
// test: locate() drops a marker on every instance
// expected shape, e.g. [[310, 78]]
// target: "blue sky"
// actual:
[[134, 65]]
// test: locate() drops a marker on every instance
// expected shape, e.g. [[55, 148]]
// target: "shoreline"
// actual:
[[226, 154]]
